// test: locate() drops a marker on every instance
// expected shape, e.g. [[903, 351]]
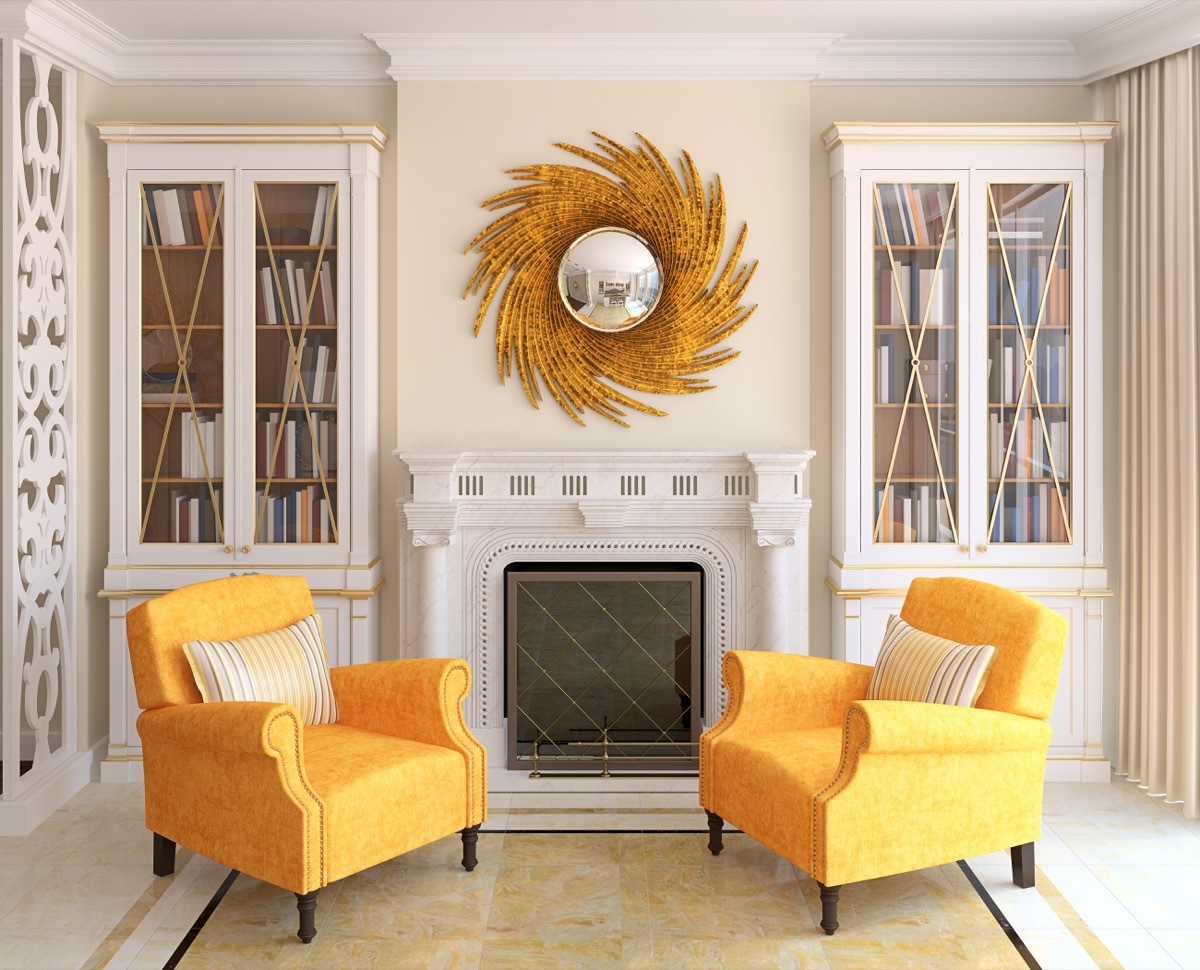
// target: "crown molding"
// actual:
[[291, 62], [1163, 28], [948, 62], [603, 57], [66, 30]]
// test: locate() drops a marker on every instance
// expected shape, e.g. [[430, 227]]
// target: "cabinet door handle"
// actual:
[[964, 548], [981, 548], [245, 548], [229, 548]]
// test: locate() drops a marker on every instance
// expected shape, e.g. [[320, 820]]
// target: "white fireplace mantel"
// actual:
[[743, 517]]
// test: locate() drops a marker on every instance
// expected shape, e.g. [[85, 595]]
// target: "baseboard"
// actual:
[[1078, 769], [23, 814]]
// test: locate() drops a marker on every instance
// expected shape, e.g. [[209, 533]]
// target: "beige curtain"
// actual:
[[1158, 249]]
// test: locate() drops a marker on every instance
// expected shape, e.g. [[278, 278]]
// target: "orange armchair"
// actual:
[[246, 784], [850, 789]]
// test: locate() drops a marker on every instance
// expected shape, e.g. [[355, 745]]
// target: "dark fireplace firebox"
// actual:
[[603, 666]]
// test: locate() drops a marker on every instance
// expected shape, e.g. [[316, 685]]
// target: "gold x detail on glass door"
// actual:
[[173, 205], [915, 296], [1029, 362], [296, 319]]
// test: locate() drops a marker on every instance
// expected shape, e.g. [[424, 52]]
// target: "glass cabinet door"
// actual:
[[915, 347], [182, 398], [295, 363], [1029, 362]]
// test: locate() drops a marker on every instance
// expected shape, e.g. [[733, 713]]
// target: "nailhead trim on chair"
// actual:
[[292, 791], [458, 730], [837, 786], [732, 703]]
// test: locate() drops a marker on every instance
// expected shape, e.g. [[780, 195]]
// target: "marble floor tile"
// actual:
[[1157, 896], [1057, 948], [556, 903], [1183, 945], [1024, 908], [50, 843], [448, 852], [673, 849], [727, 954], [16, 882], [329, 952], [558, 822], [693, 822], [1148, 838], [726, 902], [118, 840], [97, 798], [501, 954], [683, 801], [44, 949], [1135, 948], [571, 848], [79, 899], [1089, 897], [391, 902]]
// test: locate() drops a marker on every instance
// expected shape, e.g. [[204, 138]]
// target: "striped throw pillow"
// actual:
[[286, 666], [916, 666]]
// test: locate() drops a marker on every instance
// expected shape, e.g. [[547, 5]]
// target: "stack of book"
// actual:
[[182, 215]]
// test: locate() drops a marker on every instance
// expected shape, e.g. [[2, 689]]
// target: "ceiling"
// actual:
[[297, 42], [855, 19]]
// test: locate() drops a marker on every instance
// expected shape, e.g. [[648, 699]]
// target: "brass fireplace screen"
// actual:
[[603, 668]]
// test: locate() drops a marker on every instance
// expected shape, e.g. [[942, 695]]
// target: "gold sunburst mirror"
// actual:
[[610, 277]]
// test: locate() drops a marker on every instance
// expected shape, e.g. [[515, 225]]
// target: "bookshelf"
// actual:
[[244, 387], [967, 402]]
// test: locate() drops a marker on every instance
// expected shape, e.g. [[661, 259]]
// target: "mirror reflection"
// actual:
[[610, 279]]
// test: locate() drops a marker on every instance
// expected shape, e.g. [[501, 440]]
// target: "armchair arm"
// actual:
[[909, 727], [771, 692], [227, 780], [420, 700], [242, 726]]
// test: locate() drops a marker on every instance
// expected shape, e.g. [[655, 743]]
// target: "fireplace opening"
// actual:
[[603, 666]]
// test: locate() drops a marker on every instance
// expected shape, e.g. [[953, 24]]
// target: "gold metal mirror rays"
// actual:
[[636, 189]]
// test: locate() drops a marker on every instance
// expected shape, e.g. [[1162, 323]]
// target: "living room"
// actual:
[[420, 113]]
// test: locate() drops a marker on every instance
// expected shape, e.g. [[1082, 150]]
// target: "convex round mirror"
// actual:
[[610, 279]]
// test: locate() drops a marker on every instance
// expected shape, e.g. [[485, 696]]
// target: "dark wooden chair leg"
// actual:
[[164, 856], [1022, 863], [307, 904], [829, 901], [715, 843], [470, 840]]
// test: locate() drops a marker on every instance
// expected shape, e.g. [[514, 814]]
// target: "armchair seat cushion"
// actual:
[[362, 776], [768, 782]]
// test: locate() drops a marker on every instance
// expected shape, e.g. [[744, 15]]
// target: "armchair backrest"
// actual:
[[1029, 638], [219, 609]]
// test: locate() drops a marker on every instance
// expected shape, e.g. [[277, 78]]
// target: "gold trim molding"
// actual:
[[348, 594], [862, 594]]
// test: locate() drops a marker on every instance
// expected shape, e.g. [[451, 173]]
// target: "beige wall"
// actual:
[[451, 145]]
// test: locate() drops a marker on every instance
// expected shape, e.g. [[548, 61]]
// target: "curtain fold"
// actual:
[[1158, 253]]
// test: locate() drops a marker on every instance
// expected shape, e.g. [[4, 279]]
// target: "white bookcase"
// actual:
[[967, 383], [244, 389]]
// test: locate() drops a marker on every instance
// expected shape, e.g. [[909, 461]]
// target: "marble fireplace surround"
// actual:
[[743, 517]]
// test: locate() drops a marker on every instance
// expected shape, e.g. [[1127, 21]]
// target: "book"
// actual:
[[317, 234]]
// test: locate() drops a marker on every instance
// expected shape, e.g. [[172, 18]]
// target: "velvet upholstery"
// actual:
[[246, 784], [850, 789]]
